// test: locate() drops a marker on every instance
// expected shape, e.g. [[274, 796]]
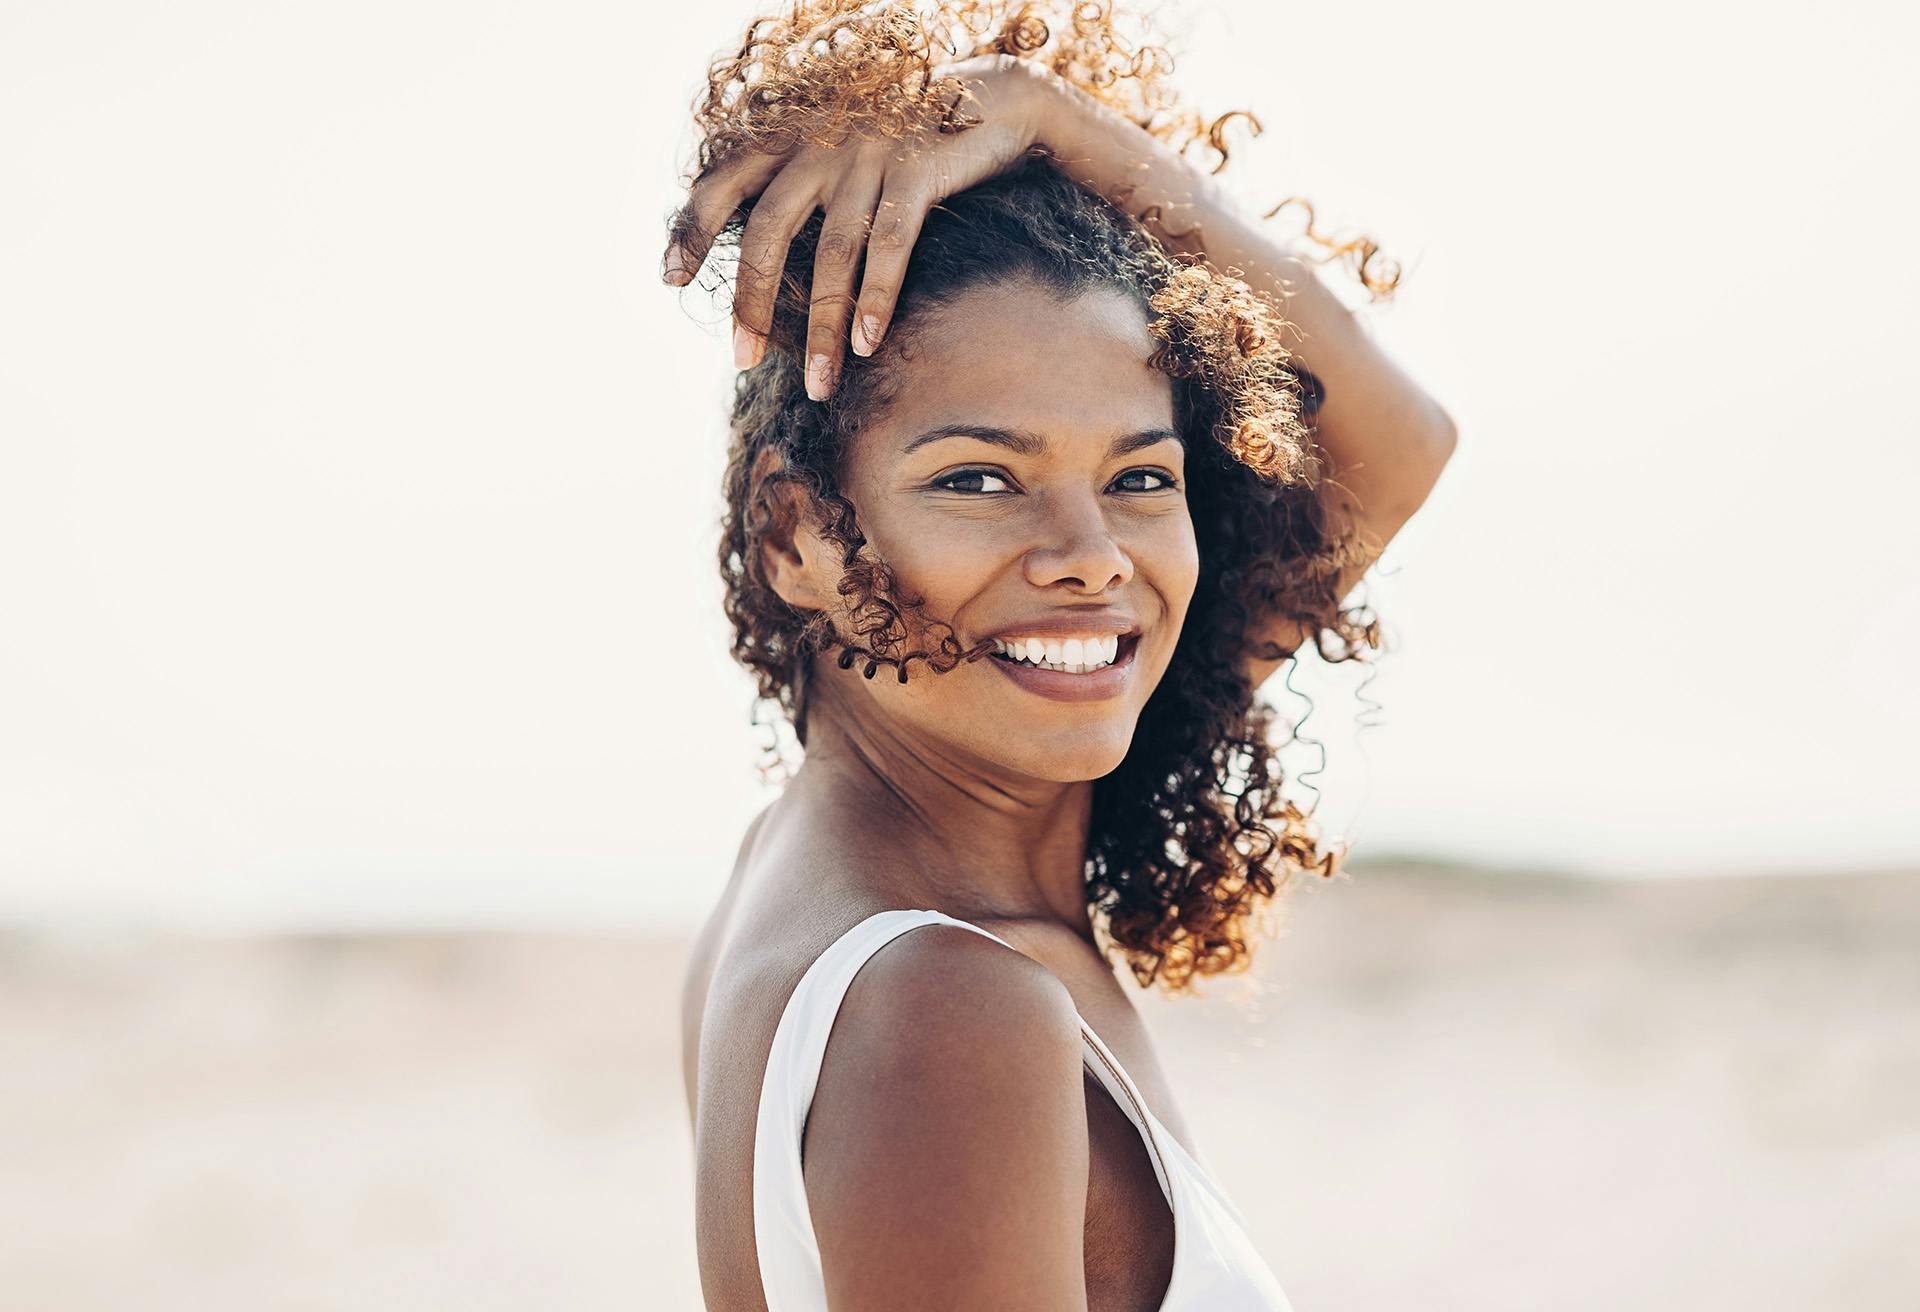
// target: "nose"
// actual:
[[1078, 549]]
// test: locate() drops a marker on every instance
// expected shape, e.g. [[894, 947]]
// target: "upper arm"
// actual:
[[1374, 506], [945, 1156]]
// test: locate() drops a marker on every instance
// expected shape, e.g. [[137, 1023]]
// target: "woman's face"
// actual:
[[1028, 485]]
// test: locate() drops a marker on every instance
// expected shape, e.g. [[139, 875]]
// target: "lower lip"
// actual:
[[1060, 686]]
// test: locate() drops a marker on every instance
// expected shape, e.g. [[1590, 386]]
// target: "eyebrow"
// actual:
[[1032, 444]]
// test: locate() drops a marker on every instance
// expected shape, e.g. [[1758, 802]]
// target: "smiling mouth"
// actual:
[[1081, 658]]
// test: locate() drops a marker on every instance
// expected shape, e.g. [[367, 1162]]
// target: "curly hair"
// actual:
[[1190, 834]]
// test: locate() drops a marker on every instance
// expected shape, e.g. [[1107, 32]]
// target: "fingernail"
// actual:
[[819, 377], [866, 334], [747, 346], [675, 269]]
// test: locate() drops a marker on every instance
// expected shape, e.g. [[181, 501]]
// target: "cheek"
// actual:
[[936, 564], [1171, 561], [940, 561]]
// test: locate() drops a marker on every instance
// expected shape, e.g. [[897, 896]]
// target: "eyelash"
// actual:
[[1172, 483]]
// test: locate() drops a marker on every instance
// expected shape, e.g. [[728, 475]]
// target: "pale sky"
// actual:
[[360, 480]]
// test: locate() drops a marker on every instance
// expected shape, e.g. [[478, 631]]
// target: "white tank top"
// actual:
[[1215, 1265]]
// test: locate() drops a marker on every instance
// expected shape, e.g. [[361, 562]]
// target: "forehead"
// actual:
[[1020, 356]]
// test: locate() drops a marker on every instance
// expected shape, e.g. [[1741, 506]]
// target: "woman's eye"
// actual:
[[968, 475], [1166, 480]]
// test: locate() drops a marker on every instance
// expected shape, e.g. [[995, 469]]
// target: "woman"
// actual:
[[1062, 488]]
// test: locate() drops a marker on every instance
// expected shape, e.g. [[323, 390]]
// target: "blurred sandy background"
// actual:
[[368, 749], [1440, 1089]]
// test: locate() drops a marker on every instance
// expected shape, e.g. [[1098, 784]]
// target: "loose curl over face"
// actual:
[[1190, 835]]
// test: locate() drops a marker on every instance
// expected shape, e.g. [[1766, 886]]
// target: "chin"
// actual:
[[1065, 763]]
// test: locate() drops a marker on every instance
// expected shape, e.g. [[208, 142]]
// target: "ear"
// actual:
[[791, 551]]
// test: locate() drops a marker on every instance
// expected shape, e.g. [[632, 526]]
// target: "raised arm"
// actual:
[[1385, 439]]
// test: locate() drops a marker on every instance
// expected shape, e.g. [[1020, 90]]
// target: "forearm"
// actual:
[[1385, 438]]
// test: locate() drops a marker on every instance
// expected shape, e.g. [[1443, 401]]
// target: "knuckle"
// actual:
[[837, 246], [761, 251], [769, 223], [762, 230], [889, 234]]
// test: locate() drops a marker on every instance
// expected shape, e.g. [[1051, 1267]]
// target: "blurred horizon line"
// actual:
[[590, 917]]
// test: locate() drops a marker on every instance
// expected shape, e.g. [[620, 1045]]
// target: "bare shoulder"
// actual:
[[946, 1152]]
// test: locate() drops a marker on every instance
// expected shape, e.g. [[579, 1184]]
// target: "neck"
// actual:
[[950, 833]]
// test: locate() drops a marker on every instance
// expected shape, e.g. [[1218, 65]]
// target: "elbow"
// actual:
[[1440, 436], [1445, 433]]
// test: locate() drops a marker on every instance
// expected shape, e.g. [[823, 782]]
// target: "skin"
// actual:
[[969, 760], [947, 1139]]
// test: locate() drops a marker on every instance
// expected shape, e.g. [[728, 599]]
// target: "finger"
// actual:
[[787, 203], [896, 226], [836, 262], [711, 202]]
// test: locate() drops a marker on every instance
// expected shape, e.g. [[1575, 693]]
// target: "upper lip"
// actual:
[[1066, 624]]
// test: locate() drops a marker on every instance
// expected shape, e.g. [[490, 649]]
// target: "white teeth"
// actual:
[[1074, 655]]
